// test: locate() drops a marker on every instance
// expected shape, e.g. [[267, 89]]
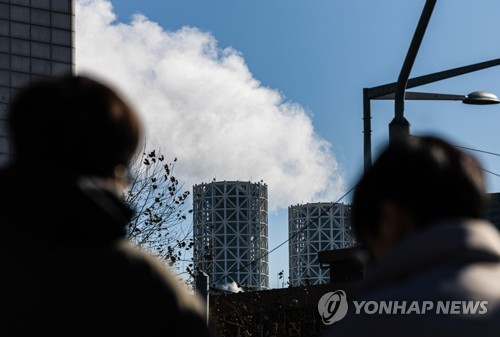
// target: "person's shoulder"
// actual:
[[167, 295], [142, 261], [160, 276]]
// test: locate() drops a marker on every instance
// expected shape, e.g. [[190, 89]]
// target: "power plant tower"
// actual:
[[313, 228], [230, 232]]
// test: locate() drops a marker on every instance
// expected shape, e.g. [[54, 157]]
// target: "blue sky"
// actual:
[[291, 73]]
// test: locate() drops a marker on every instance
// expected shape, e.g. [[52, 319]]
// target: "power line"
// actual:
[[495, 174], [470, 149], [482, 151]]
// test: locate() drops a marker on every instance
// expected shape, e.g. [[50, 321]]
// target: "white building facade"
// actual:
[[230, 232], [313, 228]]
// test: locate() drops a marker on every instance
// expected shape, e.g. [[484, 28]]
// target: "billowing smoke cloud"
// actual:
[[201, 104]]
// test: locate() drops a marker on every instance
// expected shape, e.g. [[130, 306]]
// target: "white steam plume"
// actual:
[[232, 287], [201, 104]]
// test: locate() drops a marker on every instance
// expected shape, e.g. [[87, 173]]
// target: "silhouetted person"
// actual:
[[66, 266], [419, 213]]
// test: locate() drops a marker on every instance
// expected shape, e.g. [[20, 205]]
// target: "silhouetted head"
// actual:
[[75, 124], [416, 182]]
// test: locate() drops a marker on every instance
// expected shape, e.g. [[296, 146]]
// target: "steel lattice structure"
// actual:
[[313, 228], [230, 232]]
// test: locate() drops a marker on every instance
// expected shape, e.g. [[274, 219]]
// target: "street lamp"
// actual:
[[399, 126], [474, 98], [480, 97], [387, 91]]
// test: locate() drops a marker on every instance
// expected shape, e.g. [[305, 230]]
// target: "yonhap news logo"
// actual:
[[333, 307]]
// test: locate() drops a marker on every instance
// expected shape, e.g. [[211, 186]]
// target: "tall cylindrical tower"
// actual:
[[313, 228], [230, 232]]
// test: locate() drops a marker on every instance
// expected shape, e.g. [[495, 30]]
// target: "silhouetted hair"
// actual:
[[427, 176], [74, 122]]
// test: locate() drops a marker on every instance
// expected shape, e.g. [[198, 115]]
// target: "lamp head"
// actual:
[[481, 97]]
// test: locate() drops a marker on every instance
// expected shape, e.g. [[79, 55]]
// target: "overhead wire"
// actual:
[[470, 149], [481, 151]]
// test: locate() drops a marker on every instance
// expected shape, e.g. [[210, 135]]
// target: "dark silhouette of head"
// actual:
[[75, 124], [426, 178]]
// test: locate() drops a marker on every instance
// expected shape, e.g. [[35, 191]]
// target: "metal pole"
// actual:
[[202, 287], [367, 131], [390, 88], [399, 126]]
